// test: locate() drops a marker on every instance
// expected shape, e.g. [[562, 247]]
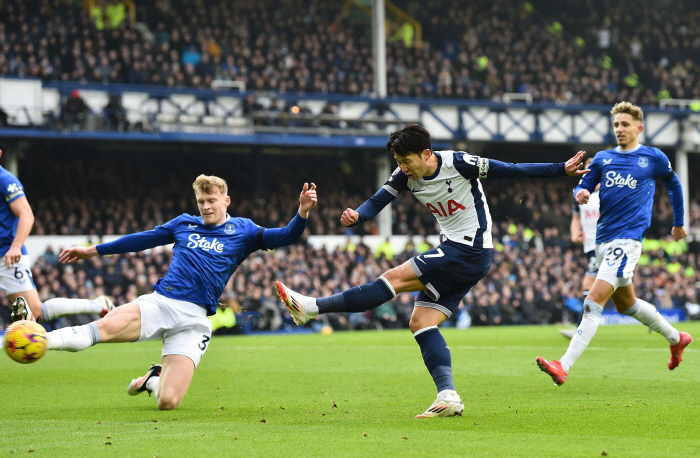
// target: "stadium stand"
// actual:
[[555, 52]]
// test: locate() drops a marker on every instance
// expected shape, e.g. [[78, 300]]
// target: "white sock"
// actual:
[[647, 314], [152, 385], [309, 304], [75, 338], [53, 308], [584, 333]]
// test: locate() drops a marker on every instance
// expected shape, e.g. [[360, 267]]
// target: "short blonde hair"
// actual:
[[626, 107], [207, 184]]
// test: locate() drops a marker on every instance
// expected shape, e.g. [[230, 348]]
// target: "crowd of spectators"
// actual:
[[120, 194], [536, 270], [533, 280], [563, 52]]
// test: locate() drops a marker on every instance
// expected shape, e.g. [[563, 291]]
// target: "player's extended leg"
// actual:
[[592, 312], [53, 308], [438, 360], [26, 305], [122, 325], [627, 304], [355, 300]]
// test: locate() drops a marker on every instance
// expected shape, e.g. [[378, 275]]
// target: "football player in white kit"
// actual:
[[16, 221], [447, 183], [584, 219]]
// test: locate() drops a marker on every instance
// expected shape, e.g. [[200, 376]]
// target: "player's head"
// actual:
[[627, 120], [411, 148], [212, 198]]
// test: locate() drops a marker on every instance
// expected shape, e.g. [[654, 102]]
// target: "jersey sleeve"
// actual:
[[480, 167], [283, 236], [12, 188], [397, 182], [662, 166], [253, 236], [470, 166], [592, 178], [132, 243]]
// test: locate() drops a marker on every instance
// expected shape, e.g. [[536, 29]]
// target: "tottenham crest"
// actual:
[[643, 162], [229, 228]]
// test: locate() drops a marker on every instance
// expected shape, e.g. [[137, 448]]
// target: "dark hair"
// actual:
[[412, 139]]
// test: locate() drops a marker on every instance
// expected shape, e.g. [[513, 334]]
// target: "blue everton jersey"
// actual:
[[205, 257], [11, 189], [627, 184]]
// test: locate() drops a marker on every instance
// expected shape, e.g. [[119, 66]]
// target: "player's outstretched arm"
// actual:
[[307, 200], [349, 217], [573, 165], [283, 236], [70, 255]]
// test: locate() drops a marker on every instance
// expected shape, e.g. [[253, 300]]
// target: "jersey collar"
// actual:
[[437, 170], [617, 148]]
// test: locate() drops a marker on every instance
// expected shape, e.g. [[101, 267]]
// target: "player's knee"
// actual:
[[416, 325], [168, 403]]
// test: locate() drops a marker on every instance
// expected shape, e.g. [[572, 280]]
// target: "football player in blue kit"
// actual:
[[627, 176], [447, 183], [207, 250], [16, 221]]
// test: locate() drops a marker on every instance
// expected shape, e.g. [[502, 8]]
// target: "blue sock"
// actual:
[[357, 299], [436, 356]]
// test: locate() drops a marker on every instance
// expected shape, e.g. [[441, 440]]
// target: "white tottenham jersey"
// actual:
[[589, 214], [457, 202]]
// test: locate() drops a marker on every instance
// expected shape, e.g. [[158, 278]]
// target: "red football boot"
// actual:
[[553, 369], [677, 350]]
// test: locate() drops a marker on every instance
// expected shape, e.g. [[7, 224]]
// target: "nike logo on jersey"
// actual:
[[197, 241], [192, 226], [417, 190], [607, 161], [613, 178]]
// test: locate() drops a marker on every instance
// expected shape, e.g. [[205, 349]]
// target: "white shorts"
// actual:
[[18, 278], [617, 260], [183, 326]]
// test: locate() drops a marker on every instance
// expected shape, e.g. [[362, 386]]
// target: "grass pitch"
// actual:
[[355, 394]]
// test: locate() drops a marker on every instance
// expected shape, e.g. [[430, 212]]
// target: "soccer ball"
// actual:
[[26, 341]]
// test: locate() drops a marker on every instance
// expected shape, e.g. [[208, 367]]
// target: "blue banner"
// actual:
[[612, 317]]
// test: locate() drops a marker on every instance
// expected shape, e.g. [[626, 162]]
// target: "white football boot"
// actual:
[[138, 385], [21, 310], [447, 404], [294, 302], [107, 305]]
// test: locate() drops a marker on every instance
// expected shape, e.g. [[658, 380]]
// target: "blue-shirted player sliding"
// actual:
[[447, 183], [626, 175], [206, 252]]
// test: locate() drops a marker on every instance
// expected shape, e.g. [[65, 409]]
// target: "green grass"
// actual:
[[355, 394]]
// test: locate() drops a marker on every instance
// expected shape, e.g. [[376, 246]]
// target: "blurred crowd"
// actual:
[[534, 279], [535, 276], [596, 51], [102, 202]]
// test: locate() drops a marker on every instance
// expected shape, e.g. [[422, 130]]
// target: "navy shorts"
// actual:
[[449, 272], [592, 268]]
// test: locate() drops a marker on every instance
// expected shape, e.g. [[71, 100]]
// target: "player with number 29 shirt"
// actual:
[[447, 183]]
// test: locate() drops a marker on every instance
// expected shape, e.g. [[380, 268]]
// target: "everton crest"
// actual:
[[229, 228], [643, 162]]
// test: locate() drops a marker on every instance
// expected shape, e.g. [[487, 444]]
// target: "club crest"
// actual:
[[229, 228], [643, 162]]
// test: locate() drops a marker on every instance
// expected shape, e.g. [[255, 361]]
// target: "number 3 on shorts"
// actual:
[[203, 343]]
